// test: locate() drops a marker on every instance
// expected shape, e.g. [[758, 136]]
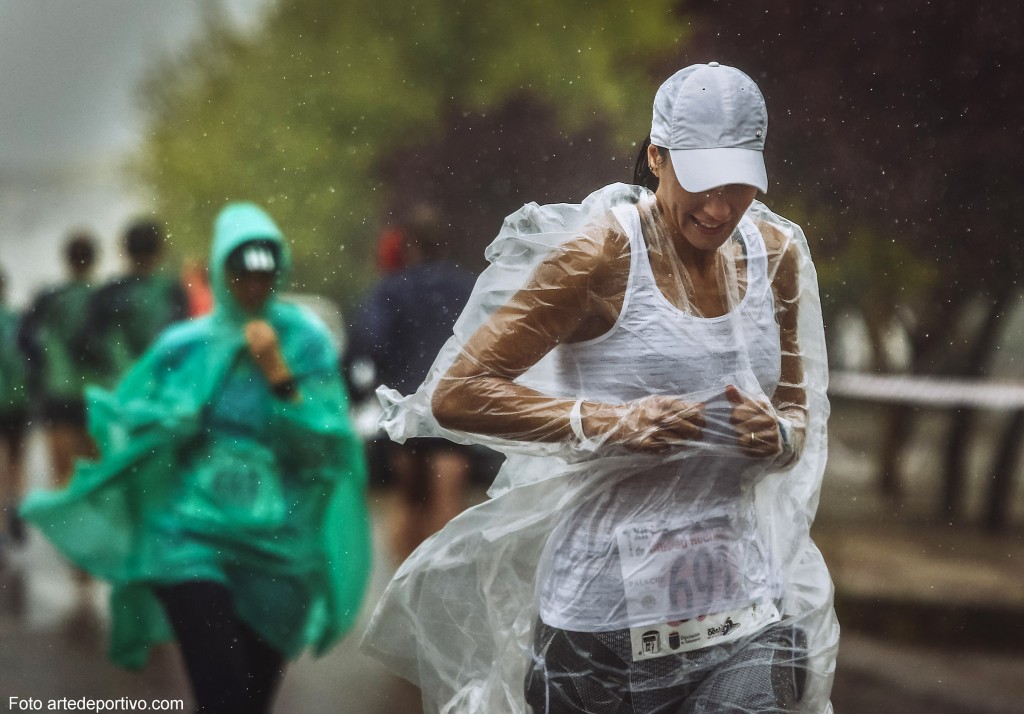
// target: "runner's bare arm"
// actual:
[[776, 430], [790, 398], [479, 393], [574, 295]]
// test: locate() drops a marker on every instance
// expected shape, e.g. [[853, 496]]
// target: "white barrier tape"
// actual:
[[928, 391]]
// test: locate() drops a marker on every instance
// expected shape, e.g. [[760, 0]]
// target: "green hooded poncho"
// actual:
[[204, 474]]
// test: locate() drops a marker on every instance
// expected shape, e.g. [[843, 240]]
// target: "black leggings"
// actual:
[[593, 673], [231, 669]]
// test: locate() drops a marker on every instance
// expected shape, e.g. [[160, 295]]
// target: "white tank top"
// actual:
[[692, 517]]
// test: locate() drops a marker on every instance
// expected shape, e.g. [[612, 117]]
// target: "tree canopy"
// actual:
[[893, 135], [336, 116]]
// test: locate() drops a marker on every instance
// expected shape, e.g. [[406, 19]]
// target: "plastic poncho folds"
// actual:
[[205, 475], [689, 553], [13, 373]]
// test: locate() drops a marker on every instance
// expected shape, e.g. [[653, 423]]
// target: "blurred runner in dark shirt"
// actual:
[[58, 373], [127, 313], [400, 327]]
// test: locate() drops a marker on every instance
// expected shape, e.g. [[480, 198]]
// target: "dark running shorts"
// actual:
[[63, 412], [426, 445], [13, 424], [421, 449], [593, 673]]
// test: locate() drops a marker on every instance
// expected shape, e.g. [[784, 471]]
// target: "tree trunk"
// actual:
[[927, 340], [877, 321], [890, 472], [962, 421], [997, 511], [955, 466]]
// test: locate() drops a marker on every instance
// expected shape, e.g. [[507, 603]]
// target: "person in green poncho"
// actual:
[[227, 508]]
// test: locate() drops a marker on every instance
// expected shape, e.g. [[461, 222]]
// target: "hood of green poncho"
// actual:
[[238, 223]]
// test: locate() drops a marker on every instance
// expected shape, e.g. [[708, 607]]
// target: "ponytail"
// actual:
[[642, 175]]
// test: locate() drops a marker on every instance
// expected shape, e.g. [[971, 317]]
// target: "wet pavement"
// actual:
[[52, 635], [53, 640]]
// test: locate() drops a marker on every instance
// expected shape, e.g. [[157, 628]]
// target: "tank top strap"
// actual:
[[641, 275], [757, 256]]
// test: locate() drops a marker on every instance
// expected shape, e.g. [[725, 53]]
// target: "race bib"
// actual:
[[238, 486], [667, 638], [679, 572]]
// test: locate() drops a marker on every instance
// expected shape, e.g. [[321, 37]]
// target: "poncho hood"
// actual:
[[239, 223]]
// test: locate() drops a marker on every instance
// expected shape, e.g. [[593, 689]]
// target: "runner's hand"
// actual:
[[653, 424], [757, 429], [265, 349]]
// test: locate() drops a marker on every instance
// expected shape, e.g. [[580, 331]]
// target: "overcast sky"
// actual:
[[68, 75], [68, 69]]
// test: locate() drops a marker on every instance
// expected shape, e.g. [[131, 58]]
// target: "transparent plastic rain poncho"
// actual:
[[205, 475], [635, 538]]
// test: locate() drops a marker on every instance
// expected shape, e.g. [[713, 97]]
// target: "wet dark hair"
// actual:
[[424, 230], [80, 250], [642, 175], [143, 239]]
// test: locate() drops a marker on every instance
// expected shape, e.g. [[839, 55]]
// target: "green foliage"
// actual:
[[299, 115]]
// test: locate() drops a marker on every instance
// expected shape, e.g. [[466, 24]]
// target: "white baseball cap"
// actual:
[[713, 120], [254, 256]]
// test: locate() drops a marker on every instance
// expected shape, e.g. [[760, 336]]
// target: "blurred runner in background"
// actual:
[[128, 312], [228, 508], [58, 373], [13, 421], [390, 251], [400, 326], [195, 280]]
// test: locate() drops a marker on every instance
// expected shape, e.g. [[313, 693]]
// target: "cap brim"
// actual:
[[704, 169], [256, 256]]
